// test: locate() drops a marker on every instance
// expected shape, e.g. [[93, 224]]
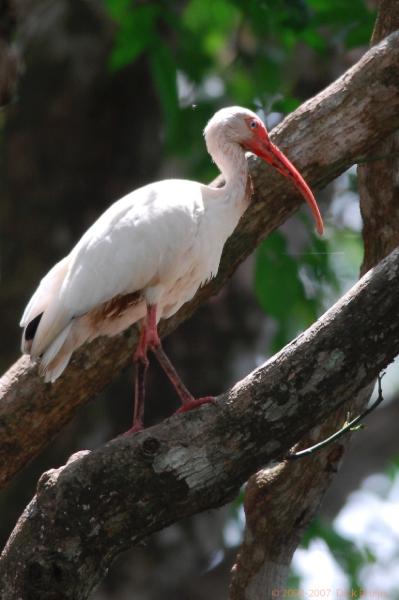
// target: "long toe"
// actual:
[[195, 402]]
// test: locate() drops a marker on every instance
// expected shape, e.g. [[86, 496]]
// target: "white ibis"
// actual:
[[148, 254]]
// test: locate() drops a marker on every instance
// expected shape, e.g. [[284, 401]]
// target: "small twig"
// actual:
[[349, 427]]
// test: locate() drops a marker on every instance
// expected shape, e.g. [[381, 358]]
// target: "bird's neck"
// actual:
[[230, 158]]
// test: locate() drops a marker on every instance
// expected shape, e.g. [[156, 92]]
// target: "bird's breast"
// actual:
[[198, 265]]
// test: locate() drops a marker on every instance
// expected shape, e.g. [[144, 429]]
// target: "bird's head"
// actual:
[[244, 127]]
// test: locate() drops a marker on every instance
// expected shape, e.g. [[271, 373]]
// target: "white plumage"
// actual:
[[154, 247], [163, 240]]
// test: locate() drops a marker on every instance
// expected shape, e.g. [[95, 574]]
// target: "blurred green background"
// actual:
[[115, 94]]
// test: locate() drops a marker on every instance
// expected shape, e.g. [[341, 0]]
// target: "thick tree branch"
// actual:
[[379, 192], [102, 502], [323, 137]]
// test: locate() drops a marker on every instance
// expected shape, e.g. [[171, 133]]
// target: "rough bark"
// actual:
[[102, 502], [378, 179], [346, 122], [300, 487]]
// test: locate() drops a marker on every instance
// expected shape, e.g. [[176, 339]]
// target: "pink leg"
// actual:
[[140, 370], [154, 342], [149, 338]]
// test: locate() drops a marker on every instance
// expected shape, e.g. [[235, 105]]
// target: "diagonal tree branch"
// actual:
[[323, 137], [102, 502]]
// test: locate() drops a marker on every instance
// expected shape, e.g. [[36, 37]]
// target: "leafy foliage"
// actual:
[[287, 285], [247, 47]]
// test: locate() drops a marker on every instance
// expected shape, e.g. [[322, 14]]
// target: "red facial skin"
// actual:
[[261, 145]]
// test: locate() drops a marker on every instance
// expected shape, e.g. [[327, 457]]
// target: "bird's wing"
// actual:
[[130, 244], [48, 287], [133, 243]]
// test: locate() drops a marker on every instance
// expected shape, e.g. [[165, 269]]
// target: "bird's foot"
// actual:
[[138, 426], [195, 402]]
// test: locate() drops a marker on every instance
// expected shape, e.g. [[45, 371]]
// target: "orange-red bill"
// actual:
[[274, 157]]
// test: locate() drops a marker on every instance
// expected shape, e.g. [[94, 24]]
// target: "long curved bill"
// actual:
[[274, 157]]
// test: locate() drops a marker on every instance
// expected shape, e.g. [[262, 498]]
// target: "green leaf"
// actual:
[[280, 284], [163, 71], [136, 32], [393, 468], [351, 21]]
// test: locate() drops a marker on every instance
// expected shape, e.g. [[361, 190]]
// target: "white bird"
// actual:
[[148, 254]]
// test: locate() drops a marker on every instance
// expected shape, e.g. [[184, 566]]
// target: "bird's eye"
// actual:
[[254, 124]]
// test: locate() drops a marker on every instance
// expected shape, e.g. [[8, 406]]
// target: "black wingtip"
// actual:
[[31, 328]]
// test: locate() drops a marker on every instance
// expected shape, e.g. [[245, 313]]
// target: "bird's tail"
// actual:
[[56, 357]]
